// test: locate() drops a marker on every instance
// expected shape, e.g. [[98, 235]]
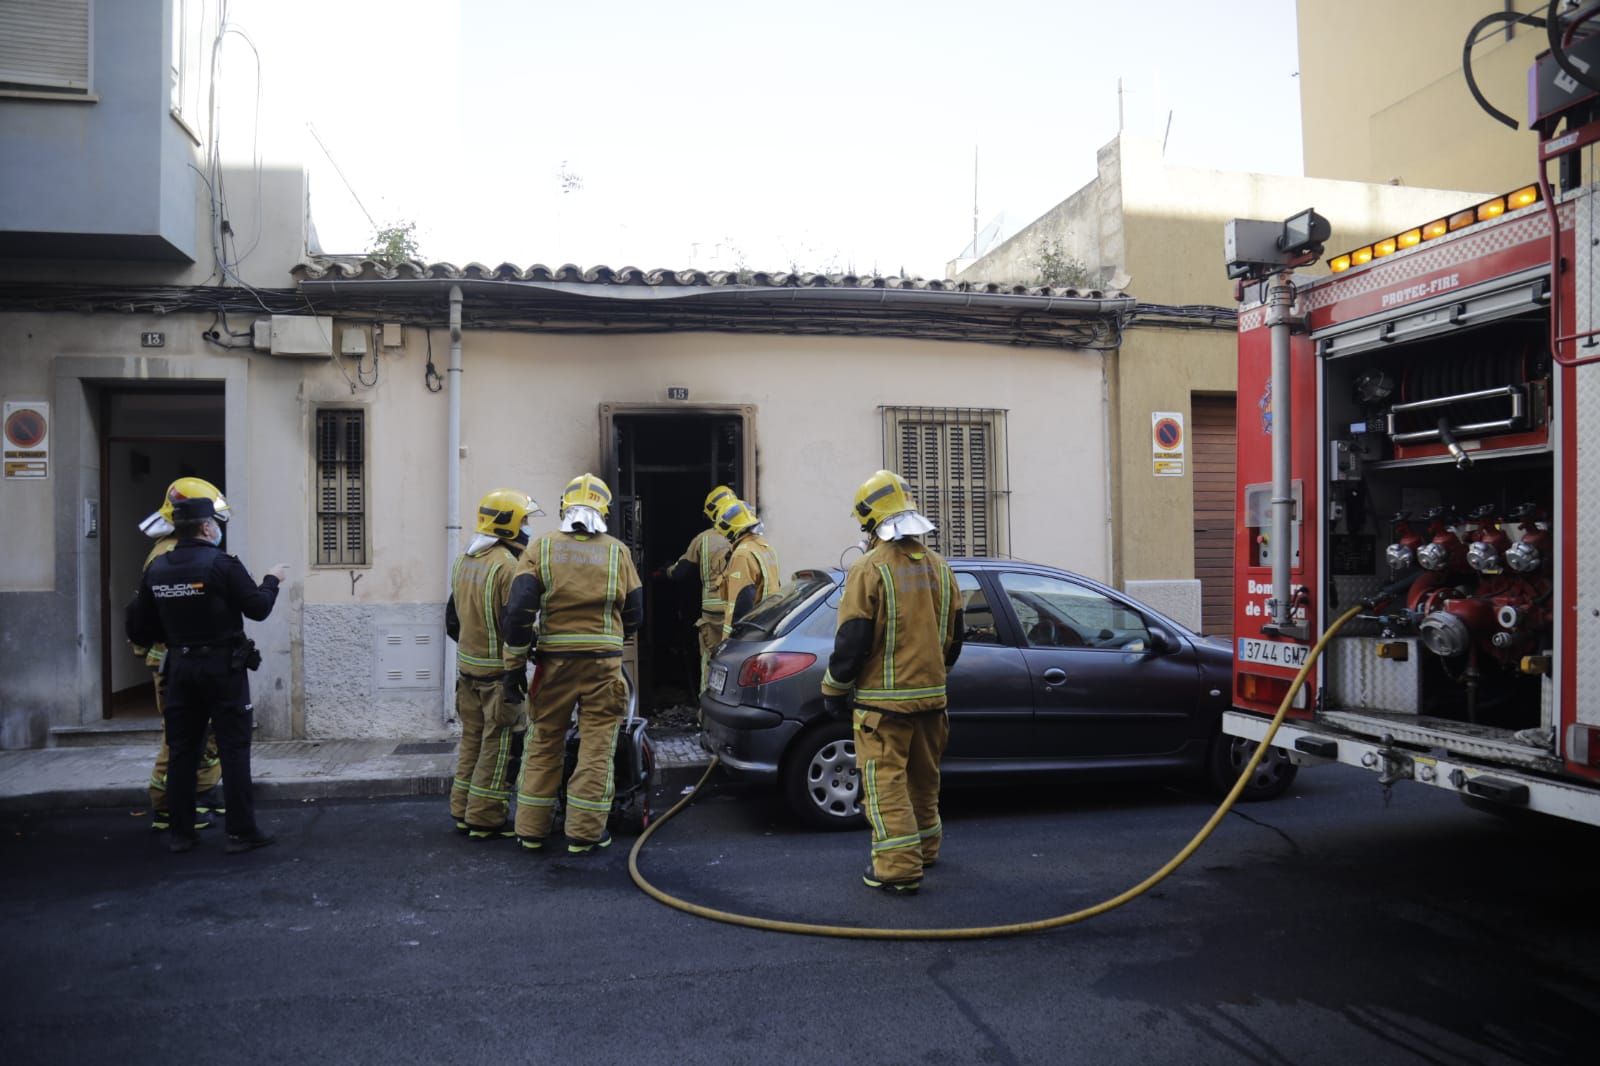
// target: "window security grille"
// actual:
[[955, 461], [341, 488]]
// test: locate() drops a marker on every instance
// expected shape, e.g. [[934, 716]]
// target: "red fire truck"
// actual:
[[1435, 408]]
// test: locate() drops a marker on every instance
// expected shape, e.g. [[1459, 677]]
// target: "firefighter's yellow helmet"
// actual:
[[194, 488], [586, 490], [735, 518], [715, 499], [881, 496], [502, 512]]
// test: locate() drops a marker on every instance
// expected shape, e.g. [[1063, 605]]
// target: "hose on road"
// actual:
[[982, 932]]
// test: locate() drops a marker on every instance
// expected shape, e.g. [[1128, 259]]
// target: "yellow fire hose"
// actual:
[[981, 932]]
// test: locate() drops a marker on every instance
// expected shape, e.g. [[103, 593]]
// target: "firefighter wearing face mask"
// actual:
[[584, 589], [751, 574], [208, 798], [704, 560], [480, 586], [899, 632]]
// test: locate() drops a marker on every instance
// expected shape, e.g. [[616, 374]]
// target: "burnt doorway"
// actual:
[[661, 462], [149, 437]]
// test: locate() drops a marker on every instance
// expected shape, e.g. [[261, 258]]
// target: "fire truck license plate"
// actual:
[[1272, 652]]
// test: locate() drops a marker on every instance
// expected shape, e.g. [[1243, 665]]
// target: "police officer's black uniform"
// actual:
[[191, 599]]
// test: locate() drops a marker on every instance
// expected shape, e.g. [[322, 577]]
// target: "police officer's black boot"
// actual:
[[241, 842]]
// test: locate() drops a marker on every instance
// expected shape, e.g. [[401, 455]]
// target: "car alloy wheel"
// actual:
[[1273, 774]]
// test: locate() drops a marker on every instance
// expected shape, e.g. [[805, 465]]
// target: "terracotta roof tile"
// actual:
[[352, 268]]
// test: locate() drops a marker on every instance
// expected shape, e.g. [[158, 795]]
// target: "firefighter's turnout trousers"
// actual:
[[898, 759], [596, 686], [709, 632], [480, 795], [480, 582]]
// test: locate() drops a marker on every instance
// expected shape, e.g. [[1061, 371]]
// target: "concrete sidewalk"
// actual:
[[58, 778]]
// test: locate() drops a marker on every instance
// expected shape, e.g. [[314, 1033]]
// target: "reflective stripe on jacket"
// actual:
[[156, 653], [479, 587], [906, 594], [583, 581], [708, 553], [752, 569]]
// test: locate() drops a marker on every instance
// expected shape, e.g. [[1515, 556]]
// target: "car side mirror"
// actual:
[[1161, 642]]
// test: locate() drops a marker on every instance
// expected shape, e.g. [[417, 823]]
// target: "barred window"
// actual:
[[341, 487], [955, 460]]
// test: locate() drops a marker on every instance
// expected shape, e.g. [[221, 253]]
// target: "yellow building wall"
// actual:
[[1172, 228], [1383, 98]]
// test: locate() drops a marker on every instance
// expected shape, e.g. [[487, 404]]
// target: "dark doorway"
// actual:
[[662, 466], [149, 438]]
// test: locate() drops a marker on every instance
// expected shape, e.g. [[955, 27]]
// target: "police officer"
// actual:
[[751, 574], [158, 527], [191, 599], [480, 585], [704, 560], [583, 586], [899, 632]]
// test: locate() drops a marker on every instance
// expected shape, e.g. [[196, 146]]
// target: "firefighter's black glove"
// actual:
[[836, 707], [515, 686]]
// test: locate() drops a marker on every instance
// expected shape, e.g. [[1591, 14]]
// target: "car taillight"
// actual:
[[772, 666]]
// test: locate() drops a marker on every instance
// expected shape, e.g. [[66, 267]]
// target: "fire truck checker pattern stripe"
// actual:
[[1580, 555], [1439, 255]]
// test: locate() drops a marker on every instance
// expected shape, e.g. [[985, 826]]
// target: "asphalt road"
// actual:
[[1320, 928]]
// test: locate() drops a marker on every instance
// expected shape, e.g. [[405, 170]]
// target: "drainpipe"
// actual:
[[452, 487], [1107, 440]]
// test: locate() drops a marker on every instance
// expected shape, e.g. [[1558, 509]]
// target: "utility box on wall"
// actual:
[[295, 335], [407, 656]]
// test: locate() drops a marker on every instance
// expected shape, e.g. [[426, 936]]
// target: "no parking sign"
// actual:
[[1166, 441], [27, 439]]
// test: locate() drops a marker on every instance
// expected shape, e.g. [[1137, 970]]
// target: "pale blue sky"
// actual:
[[832, 134]]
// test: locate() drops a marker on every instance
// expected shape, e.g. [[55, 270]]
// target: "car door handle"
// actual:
[[1055, 676]]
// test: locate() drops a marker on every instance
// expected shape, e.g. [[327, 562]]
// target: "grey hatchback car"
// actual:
[[1060, 678]]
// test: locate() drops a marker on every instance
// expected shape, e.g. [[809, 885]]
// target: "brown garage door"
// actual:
[[1212, 437]]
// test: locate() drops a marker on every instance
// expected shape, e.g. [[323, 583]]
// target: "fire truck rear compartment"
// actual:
[[1439, 468]]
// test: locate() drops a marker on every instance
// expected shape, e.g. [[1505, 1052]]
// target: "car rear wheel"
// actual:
[[1272, 777], [820, 781]]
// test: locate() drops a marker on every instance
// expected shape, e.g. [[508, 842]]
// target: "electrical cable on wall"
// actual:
[[430, 376]]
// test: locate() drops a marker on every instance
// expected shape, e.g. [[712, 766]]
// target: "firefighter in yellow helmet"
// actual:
[[158, 526], [752, 571], [584, 589], [480, 587], [704, 560], [899, 632]]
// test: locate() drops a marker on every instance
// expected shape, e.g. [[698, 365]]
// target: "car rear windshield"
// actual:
[[776, 614]]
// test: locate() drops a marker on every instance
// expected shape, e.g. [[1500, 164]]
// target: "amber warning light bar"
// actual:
[[1489, 209]]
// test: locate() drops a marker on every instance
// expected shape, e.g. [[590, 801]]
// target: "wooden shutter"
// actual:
[[341, 488], [45, 44], [1212, 437], [951, 458]]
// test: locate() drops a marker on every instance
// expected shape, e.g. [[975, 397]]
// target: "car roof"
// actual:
[[989, 562]]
